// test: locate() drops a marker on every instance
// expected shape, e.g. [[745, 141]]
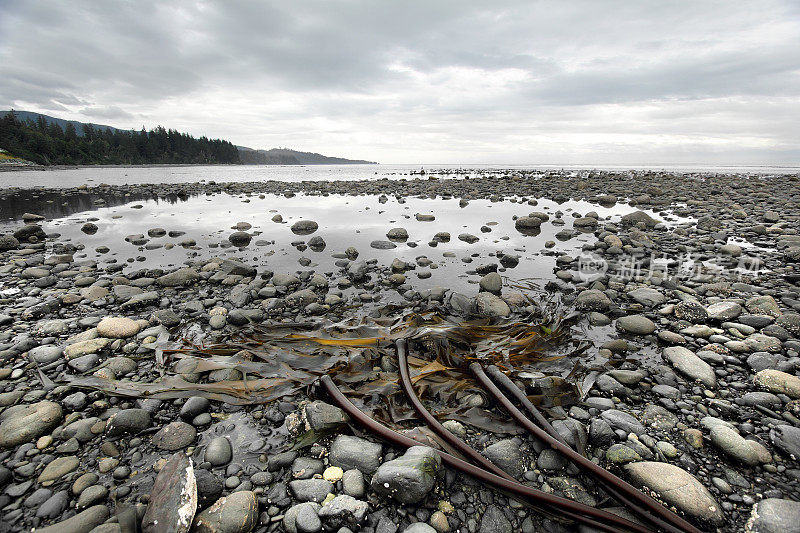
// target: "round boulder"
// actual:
[[117, 327]]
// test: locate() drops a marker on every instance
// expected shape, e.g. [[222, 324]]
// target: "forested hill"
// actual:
[[48, 143]]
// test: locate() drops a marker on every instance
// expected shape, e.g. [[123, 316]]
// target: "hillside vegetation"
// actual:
[[47, 143]]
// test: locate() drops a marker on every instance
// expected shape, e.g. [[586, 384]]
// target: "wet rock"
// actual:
[[724, 311], [322, 416], [24, 423], [175, 436], [180, 278], [8, 242], [774, 515], [593, 300], [691, 311], [128, 422], [678, 488], [301, 510], [506, 455], [237, 268], [494, 521], [58, 468], [490, 305], [622, 420], [692, 366], [778, 382], [786, 438], [219, 451], [173, 498], [343, 512], [237, 513], [304, 227], [763, 305], [639, 217], [647, 297], [353, 452], [240, 238], [46, 354], [397, 234], [382, 245], [420, 527], [734, 445], [353, 483], [311, 490], [491, 282], [409, 478], [80, 523], [636, 325]]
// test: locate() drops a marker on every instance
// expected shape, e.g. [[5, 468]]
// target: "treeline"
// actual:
[[48, 144]]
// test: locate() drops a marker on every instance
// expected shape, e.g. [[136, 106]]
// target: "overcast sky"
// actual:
[[598, 82]]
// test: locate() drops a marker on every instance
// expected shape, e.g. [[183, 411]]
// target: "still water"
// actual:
[[343, 220]]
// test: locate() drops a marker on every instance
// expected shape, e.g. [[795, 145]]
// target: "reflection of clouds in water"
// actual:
[[343, 221]]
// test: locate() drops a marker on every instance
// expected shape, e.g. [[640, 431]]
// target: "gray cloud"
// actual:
[[513, 81]]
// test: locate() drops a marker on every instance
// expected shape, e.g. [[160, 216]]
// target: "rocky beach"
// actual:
[[161, 347]]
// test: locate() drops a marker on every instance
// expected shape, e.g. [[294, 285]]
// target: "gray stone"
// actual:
[[419, 527], [323, 416], [724, 311], [690, 365], [175, 436], [622, 420], [409, 478], [23, 423], [353, 452], [353, 483], [180, 278], [343, 512], [291, 516], [639, 217], [219, 451], [128, 422], [763, 305], [734, 445], [494, 521], [80, 523], [787, 438], [491, 282], [647, 297], [237, 513], [311, 490], [507, 455], [774, 515], [593, 300], [46, 354], [491, 306], [778, 382], [678, 488], [304, 227], [636, 325]]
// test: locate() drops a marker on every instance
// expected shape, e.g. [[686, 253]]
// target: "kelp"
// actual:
[[264, 362]]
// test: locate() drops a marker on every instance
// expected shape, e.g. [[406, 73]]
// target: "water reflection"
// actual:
[[199, 227]]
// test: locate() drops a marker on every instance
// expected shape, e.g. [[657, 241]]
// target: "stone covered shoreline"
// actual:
[[702, 406]]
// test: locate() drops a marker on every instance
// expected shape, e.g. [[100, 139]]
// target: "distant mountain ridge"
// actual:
[[286, 156]]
